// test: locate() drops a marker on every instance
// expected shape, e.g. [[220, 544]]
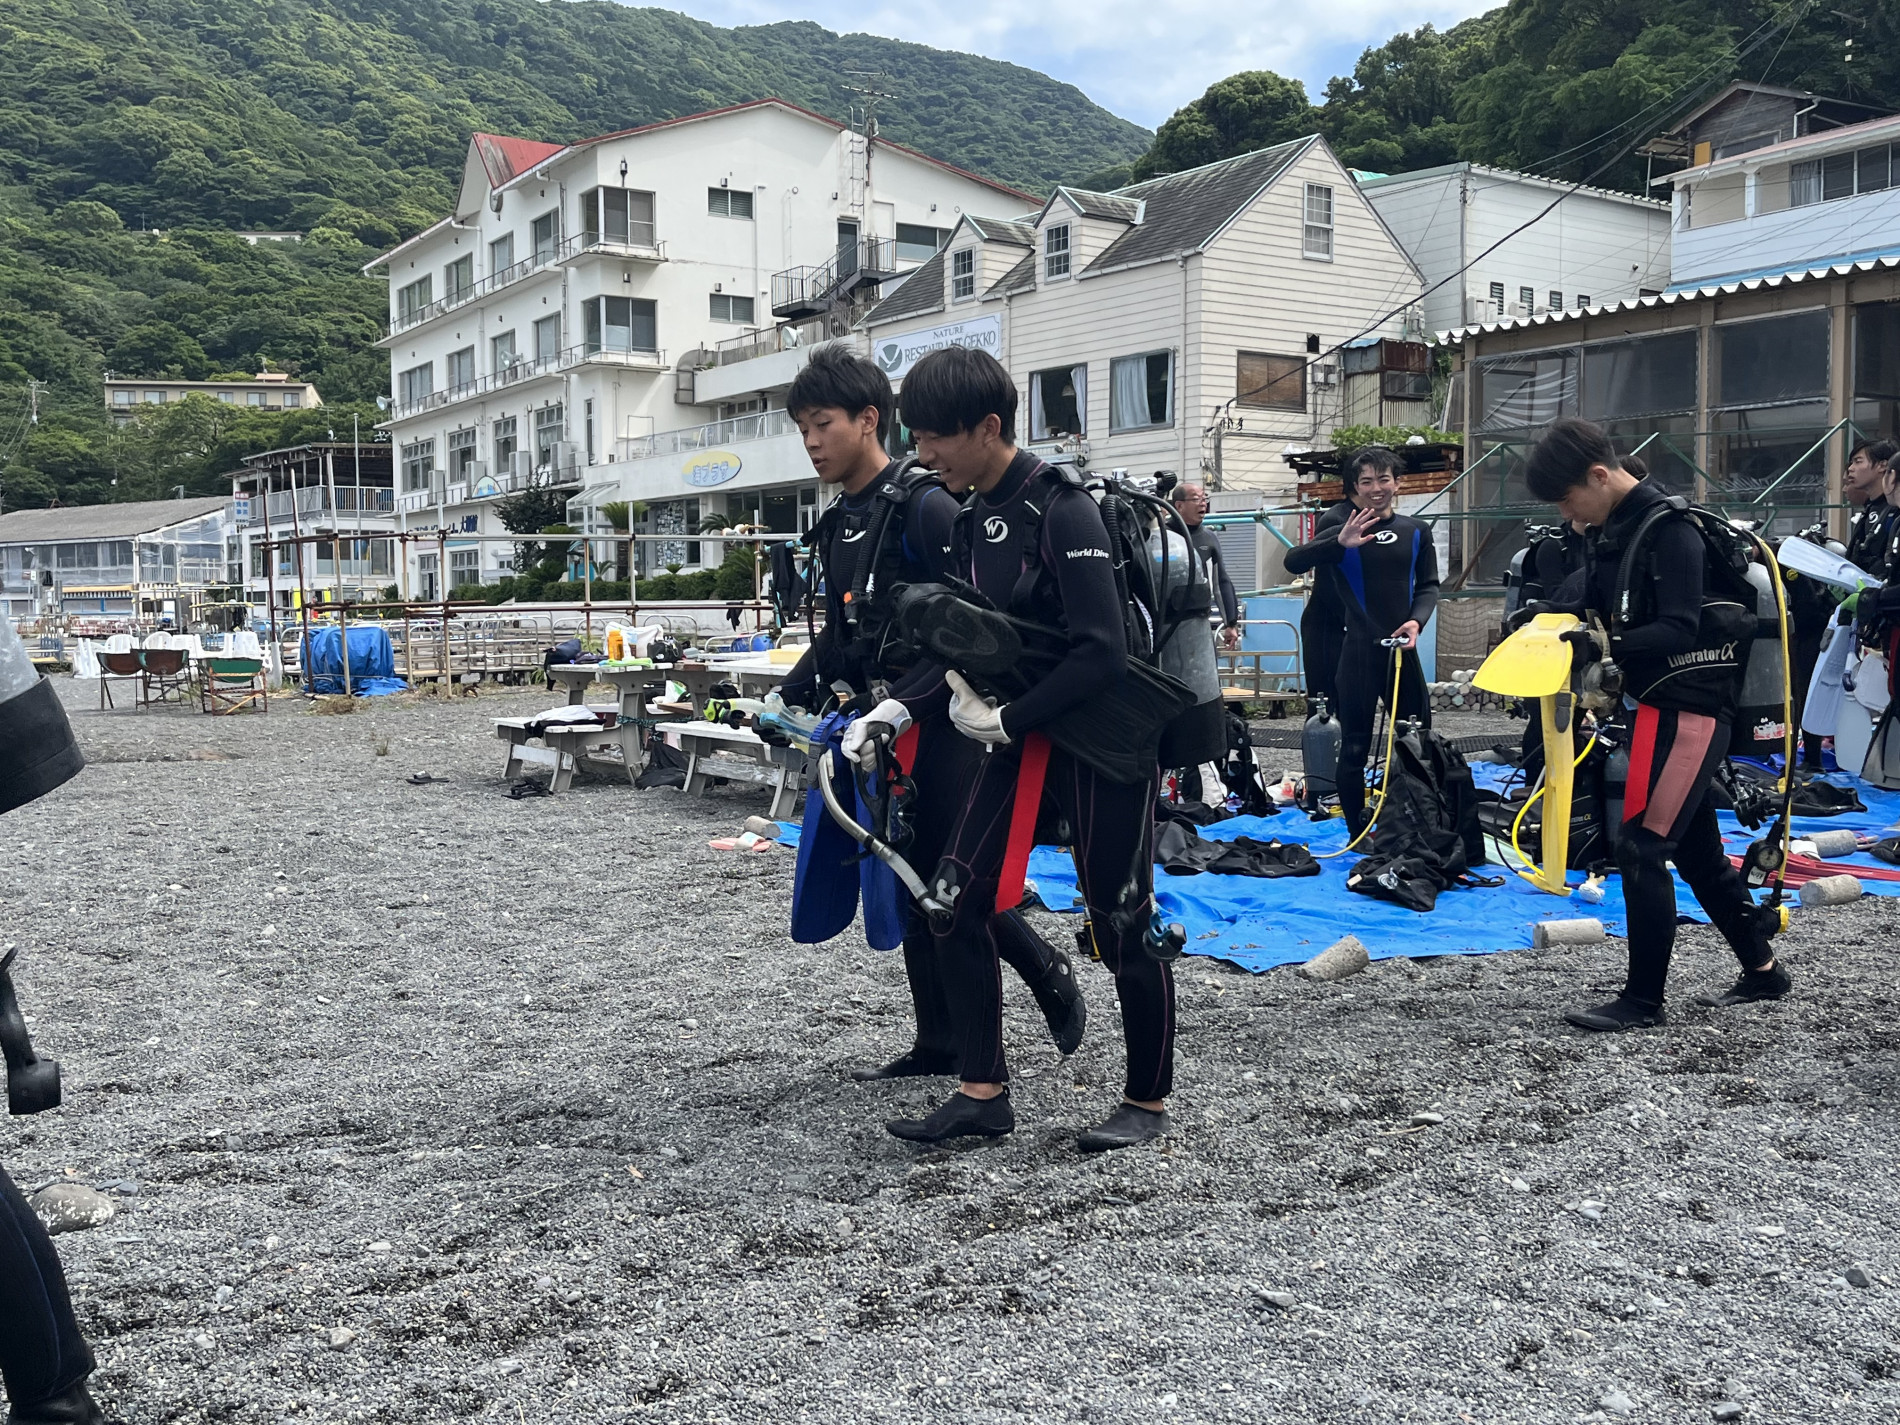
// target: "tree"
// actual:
[[1241, 113], [159, 350], [532, 512]]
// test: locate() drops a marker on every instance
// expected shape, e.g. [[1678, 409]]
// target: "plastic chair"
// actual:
[[229, 685], [119, 643], [160, 639], [119, 666], [167, 675], [243, 644]]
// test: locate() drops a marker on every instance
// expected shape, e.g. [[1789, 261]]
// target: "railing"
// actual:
[[315, 499], [769, 341], [866, 260], [543, 477], [761, 425], [631, 250], [594, 354], [528, 371], [461, 297]]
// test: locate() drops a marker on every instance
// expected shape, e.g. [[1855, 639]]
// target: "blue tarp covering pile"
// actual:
[[372, 661], [1259, 924]]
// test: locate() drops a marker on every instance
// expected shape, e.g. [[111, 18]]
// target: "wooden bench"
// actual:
[[571, 747], [738, 754]]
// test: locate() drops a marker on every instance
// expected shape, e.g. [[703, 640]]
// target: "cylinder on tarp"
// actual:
[[1761, 725], [37, 748], [1319, 754]]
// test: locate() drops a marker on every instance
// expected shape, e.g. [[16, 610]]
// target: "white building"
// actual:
[[553, 329], [141, 560], [1597, 247], [1820, 200], [313, 523], [1187, 323], [269, 391]]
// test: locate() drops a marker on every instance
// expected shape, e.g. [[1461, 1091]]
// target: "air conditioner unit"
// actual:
[[1540, 310], [564, 454], [523, 469], [477, 472], [1517, 309], [1326, 375]]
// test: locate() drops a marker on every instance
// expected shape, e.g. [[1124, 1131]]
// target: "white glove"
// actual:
[[974, 715], [857, 743]]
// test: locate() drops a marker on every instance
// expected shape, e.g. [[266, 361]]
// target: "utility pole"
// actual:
[[33, 389], [870, 87]]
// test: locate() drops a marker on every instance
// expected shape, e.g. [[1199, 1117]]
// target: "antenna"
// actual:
[[870, 87]]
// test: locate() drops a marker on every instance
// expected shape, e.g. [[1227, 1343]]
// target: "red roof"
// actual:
[[504, 158]]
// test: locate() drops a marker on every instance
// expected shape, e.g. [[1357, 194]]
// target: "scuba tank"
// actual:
[[1759, 726], [1189, 653], [1319, 756]]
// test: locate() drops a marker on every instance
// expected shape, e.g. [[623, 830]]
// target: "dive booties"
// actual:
[[1619, 1014], [1128, 1126], [32, 1082], [72, 1406], [959, 1116], [908, 1065], [1059, 997], [1753, 986], [1118, 734]]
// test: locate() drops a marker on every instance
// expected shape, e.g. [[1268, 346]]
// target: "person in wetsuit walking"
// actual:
[[842, 404], [1678, 711], [1035, 546], [1385, 569]]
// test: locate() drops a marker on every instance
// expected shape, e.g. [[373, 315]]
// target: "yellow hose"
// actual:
[[1385, 774], [1525, 810]]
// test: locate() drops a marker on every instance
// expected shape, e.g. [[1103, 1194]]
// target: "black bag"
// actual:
[[1428, 826], [666, 766], [1241, 772]]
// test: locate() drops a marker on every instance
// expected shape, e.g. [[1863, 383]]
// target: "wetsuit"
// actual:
[[1208, 553], [859, 659], [1389, 580], [1867, 534], [1323, 621], [1677, 725], [42, 1354], [1037, 548]]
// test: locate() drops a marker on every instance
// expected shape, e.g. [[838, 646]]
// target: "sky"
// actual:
[[1142, 59]]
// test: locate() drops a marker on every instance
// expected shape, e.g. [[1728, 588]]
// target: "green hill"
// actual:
[[348, 120]]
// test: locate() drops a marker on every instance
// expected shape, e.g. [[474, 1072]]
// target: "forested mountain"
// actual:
[[347, 120]]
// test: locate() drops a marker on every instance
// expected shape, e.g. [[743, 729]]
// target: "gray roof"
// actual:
[[1185, 210], [1009, 230], [76, 523], [1111, 206], [922, 292], [1020, 278]]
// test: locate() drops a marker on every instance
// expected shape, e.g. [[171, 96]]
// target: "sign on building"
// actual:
[[711, 467], [895, 355]]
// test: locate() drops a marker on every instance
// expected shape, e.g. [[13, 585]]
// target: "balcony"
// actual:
[[507, 277], [762, 425], [637, 246], [811, 291], [589, 354], [314, 500]]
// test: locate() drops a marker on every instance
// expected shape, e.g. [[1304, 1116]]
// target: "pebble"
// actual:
[[339, 1337], [225, 1293], [202, 1341], [1519, 1185], [1857, 1275], [1618, 1403], [1425, 1118], [380, 1247], [1285, 1300], [694, 1023], [1772, 1231], [1727, 1410], [72, 1207]]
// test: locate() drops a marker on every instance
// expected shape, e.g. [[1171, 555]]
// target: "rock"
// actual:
[[380, 1247], [225, 1293], [72, 1207], [202, 1341], [339, 1337], [1425, 1118], [694, 1023], [1337, 961], [1771, 1231], [1284, 1300], [1617, 1403], [1727, 1410], [1857, 1275], [1519, 1185]]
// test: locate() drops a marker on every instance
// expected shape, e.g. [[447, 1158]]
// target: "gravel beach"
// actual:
[[420, 1104]]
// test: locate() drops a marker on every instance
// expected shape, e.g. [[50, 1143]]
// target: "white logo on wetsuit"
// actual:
[[854, 536], [1086, 553], [994, 530], [1387, 536]]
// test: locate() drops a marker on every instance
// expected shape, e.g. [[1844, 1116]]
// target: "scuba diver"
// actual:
[[1031, 543], [1385, 568], [1649, 583], [44, 1359], [842, 404], [1190, 502], [1819, 668], [1323, 620]]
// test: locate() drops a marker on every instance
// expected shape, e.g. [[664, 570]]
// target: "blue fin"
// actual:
[[825, 888]]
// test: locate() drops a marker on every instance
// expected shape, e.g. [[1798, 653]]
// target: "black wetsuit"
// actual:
[[1214, 570], [1867, 535], [1388, 581], [42, 1354], [1677, 737], [1323, 621], [1063, 579], [943, 758]]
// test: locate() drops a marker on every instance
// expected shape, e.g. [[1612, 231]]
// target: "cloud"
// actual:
[[1140, 59]]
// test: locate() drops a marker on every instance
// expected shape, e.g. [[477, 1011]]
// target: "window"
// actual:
[[418, 465], [465, 567], [1316, 236], [1771, 361], [292, 400], [622, 324], [501, 254], [1804, 183], [1837, 176], [1497, 299], [1873, 170], [1141, 391], [588, 407], [504, 447], [1269, 382], [256, 398], [547, 236], [415, 384], [729, 203], [963, 274], [547, 338], [461, 452], [1058, 402], [1556, 300], [457, 278], [157, 398], [459, 369], [122, 398], [618, 215], [428, 566], [1527, 299], [257, 559], [1055, 251], [916, 243], [412, 299], [502, 355], [550, 426], [728, 308], [1583, 301], [228, 397]]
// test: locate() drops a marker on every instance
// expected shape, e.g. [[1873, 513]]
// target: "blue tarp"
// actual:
[[372, 661], [1259, 924]]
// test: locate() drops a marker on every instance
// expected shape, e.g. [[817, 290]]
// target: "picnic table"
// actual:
[[612, 746], [632, 686], [738, 754]]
